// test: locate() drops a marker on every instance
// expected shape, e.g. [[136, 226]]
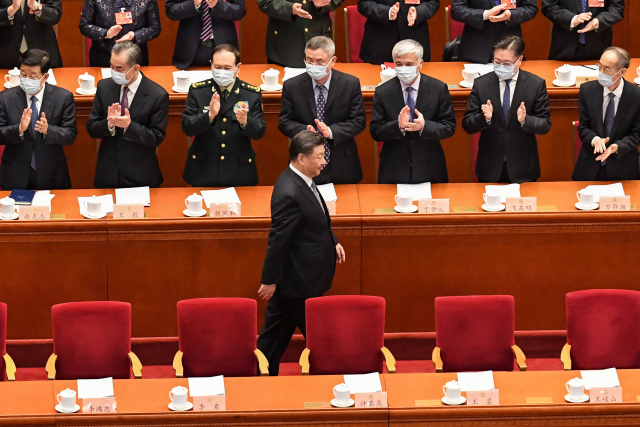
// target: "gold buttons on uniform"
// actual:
[[224, 120], [249, 160], [193, 157], [222, 145], [306, 30], [304, 1], [222, 158], [275, 32], [224, 133]]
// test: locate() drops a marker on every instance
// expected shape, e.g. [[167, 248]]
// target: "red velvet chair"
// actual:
[[92, 340], [345, 335], [603, 330], [476, 333], [86, 48], [577, 142], [6, 363], [454, 28], [354, 31], [217, 336]]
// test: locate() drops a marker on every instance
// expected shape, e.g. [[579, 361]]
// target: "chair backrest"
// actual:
[[603, 328], [577, 142], [354, 31], [3, 340], [345, 334], [454, 28], [218, 336], [474, 142], [379, 145], [92, 339], [475, 333], [86, 44]]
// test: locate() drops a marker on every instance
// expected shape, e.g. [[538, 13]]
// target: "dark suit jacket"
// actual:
[[564, 40], [412, 157], [98, 17], [511, 140], [51, 163], [223, 17], [301, 253], [478, 35], [131, 154], [381, 34], [344, 114], [287, 34], [38, 31], [221, 154], [625, 132]]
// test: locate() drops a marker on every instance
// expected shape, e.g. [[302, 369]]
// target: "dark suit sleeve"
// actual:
[[286, 124], [445, 126], [97, 125], [375, 11], [87, 20], [285, 217], [153, 135], [524, 13], [538, 121], [556, 14], [9, 133], [461, 12], [586, 128], [4, 16], [232, 10], [194, 121], [333, 5], [177, 10], [152, 28], [357, 121], [613, 15], [256, 126], [279, 9], [426, 10], [51, 13], [66, 133], [380, 128], [474, 120]]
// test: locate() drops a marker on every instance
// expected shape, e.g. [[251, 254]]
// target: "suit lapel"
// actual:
[[234, 96], [623, 105], [518, 95], [494, 96], [21, 101], [47, 101], [139, 99], [306, 190], [335, 84], [307, 88], [598, 101], [579, 6], [398, 96]]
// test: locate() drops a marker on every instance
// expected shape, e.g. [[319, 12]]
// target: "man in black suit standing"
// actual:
[[581, 32], [485, 21], [28, 24], [129, 114], [204, 24], [329, 102], [302, 250], [36, 120], [411, 113], [509, 107], [609, 123]]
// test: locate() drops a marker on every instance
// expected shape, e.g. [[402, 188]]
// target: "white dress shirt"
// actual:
[[133, 88], [605, 102], [307, 180], [326, 96], [414, 95], [38, 96], [512, 86]]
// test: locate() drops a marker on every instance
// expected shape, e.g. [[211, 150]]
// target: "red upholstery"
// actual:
[[577, 142], [455, 27], [475, 333], [3, 340], [345, 334], [474, 142], [603, 329], [87, 48], [355, 28], [92, 339], [218, 336]]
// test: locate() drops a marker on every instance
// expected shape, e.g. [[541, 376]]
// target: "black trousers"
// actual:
[[203, 55], [102, 58], [33, 180], [504, 175], [602, 174], [283, 315]]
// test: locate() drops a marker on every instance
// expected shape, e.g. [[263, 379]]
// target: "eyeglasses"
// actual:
[[321, 63], [606, 70], [508, 64]]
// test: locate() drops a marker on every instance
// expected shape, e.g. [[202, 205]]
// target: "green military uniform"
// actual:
[[221, 154]]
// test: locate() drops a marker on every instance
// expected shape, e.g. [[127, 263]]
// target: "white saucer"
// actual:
[[582, 207], [79, 91], [203, 212], [271, 89], [59, 409], [466, 85], [488, 209], [459, 402], [340, 405], [86, 215], [178, 90], [585, 398], [412, 209], [15, 216], [637, 80], [7, 85], [556, 82], [186, 408]]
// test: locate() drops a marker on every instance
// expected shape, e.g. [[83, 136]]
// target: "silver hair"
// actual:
[[407, 46], [624, 60], [134, 54], [322, 42]]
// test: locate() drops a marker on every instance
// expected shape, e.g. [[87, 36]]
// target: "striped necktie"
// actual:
[[207, 32]]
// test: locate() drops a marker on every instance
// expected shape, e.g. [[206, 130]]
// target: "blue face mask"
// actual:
[[606, 80], [30, 86], [504, 72]]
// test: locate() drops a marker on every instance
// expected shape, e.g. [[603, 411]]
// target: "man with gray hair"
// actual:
[[129, 115], [328, 102], [411, 113]]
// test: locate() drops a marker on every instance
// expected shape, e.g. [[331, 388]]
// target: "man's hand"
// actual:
[[112, 112], [504, 17], [197, 3], [412, 15], [14, 8], [340, 255], [212, 3], [581, 18], [113, 31], [214, 106], [487, 110], [417, 124], [126, 38], [496, 10], [393, 13], [242, 115], [311, 129], [42, 125], [33, 5], [522, 112], [599, 145], [613, 148], [403, 117], [25, 120], [298, 11], [592, 25], [122, 121], [320, 3], [324, 129], [266, 291]]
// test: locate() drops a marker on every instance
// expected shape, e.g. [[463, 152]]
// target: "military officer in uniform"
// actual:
[[223, 114]]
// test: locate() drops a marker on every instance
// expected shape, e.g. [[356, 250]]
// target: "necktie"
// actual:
[[32, 128], [124, 103], [506, 100], [315, 193], [582, 37], [411, 103], [225, 95], [609, 115], [207, 32], [320, 104], [497, 2]]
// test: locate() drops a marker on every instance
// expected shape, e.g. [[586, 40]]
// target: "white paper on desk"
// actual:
[[580, 71], [106, 203], [510, 190], [292, 72], [328, 192], [206, 386], [417, 191], [363, 383], [476, 381], [43, 198], [52, 79], [482, 69], [600, 378], [194, 76], [106, 73], [133, 196], [226, 195], [92, 389], [612, 190]]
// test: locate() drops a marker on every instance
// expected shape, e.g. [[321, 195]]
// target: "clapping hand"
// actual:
[[411, 16], [393, 13], [298, 11], [126, 38], [522, 113], [581, 18], [122, 121], [214, 106], [417, 124], [499, 16], [592, 25], [25, 120], [613, 148], [42, 125], [487, 110], [600, 145], [242, 115], [112, 112], [113, 31], [324, 129]]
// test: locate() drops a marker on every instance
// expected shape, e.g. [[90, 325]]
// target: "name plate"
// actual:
[[483, 398], [605, 395], [615, 204], [210, 403], [103, 405], [34, 213], [371, 400], [522, 204], [128, 211], [220, 210], [433, 206], [596, 3]]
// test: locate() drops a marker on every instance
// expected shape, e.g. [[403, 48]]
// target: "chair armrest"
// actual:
[[177, 364], [304, 361], [565, 357], [10, 367], [435, 358], [389, 359], [521, 360], [51, 367], [136, 365], [263, 363]]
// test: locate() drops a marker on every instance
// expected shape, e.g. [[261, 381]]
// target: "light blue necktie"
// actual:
[[411, 103], [32, 128]]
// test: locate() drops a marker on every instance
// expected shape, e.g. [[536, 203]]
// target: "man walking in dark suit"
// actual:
[[129, 114], [609, 123], [302, 250], [204, 24], [224, 114], [581, 32], [509, 107], [485, 21], [329, 102], [411, 113], [36, 121]]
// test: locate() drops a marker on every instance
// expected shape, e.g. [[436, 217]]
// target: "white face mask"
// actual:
[[31, 86], [316, 72], [606, 80], [223, 77], [407, 74], [120, 78]]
